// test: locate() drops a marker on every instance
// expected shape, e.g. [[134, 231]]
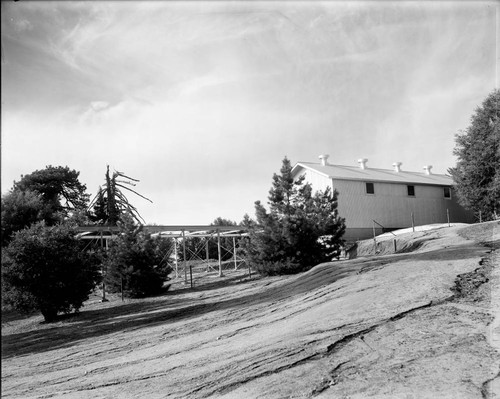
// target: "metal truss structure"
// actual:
[[193, 257]]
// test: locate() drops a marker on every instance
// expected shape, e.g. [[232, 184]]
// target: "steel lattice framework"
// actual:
[[179, 233]]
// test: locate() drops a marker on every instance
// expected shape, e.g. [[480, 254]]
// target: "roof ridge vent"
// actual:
[[324, 159], [397, 166], [362, 162], [427, 169]]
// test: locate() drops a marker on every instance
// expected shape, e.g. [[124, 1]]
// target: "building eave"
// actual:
[[345, 173], [301, 165], [407, 182]]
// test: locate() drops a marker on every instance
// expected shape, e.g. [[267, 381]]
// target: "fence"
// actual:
[[386, 229]]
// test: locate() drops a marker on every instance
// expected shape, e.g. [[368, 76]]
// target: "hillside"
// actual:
[[416, 324]]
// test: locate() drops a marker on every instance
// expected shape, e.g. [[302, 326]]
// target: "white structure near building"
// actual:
[[370, 198]]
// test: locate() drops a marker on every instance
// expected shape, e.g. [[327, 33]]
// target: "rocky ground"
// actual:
[[421, 323]]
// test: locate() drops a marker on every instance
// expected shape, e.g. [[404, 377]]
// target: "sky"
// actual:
[[201, 100]]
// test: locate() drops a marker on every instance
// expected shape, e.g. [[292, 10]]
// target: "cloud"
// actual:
[[23, 25], [421, 130], [99, 105], [195, 85], [201, 100], [183, 153]]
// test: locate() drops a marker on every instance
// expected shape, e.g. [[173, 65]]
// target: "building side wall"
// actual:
[[317, 181], [390, 205], [393, 208], [356, 234]]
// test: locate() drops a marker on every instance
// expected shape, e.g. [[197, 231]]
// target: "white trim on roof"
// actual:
[[300, 164], [352, 173]]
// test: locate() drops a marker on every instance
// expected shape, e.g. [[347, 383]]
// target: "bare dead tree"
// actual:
[[110, 201]]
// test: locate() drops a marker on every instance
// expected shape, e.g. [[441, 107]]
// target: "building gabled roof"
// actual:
[[341, 172]]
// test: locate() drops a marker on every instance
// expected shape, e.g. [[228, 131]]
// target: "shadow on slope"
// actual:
[[91, 324]]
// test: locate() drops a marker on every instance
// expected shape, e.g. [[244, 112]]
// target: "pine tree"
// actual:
[[300, 230], [58, 186], [137, 262], [477, 173], [53, 195], [99, 212]]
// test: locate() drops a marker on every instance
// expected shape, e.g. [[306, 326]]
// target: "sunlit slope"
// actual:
[[380, 326]]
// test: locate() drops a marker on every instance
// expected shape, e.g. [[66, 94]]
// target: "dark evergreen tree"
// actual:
[[247, 222], [220, 221], [299, 231], [58, 186], [52, 195], [20, 209], [99, 212], [45, 269], [477, 173], [136, 262]]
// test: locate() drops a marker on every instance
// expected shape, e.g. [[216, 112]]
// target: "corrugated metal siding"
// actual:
[[390, 205]]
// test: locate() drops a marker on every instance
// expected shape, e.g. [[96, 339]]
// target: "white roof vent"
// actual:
[[324, 159], [362, 163], [397, 166], [427, 169]]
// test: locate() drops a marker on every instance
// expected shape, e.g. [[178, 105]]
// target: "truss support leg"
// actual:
[[104, 273], [234, 254], [220, 255], [206, 251], [176, 259], [184, 256]]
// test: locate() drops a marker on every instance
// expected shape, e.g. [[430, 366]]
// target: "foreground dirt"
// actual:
[[420, 324]]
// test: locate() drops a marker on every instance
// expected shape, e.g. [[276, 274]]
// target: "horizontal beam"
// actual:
[[176, 235], [166, 235], [157, 229], [94, 237]]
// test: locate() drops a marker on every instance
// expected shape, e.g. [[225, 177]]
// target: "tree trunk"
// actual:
[[49, 314]]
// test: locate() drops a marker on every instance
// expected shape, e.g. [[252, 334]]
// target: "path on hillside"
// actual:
[[389, 326]]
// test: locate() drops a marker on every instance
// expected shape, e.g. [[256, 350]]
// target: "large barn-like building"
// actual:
[[393, 198]]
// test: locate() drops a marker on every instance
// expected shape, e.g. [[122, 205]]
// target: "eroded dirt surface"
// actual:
[[407, 325]]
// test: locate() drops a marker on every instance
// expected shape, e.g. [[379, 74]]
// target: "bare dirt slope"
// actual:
[[400, 325]]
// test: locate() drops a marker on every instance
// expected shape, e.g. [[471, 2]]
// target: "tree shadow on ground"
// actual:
[[9, 316], [170, 308], [200, 285]]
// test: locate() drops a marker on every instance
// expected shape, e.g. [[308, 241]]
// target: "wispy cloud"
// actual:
[[203, 99], [23, 25]]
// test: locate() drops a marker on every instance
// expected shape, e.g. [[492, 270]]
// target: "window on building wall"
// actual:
[[447, 192], [370, 189], [411, 191]]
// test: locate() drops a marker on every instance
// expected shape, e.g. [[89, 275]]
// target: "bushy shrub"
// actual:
[[20, 209], [137, 262], [45, 269]]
